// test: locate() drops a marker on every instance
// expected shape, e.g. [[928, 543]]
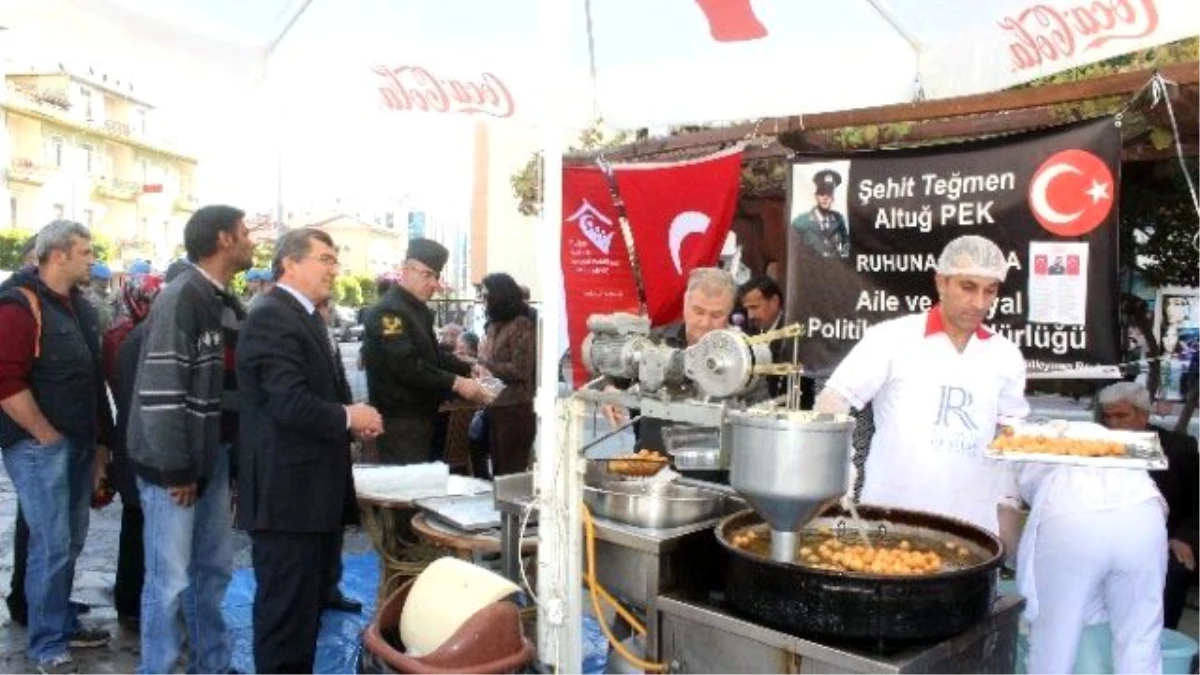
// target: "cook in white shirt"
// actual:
[[1095, 543], [940, 383]]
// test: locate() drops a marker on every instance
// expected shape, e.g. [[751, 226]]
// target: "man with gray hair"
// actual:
[[1126, 405], [707, 304], [54, 420], [940, 382]]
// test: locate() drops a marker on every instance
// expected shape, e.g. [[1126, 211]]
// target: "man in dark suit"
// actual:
[[295, 487], [1126, 406], [762, 299]]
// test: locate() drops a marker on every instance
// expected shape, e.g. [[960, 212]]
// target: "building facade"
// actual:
[[501, 239], [363, 247], [81, 145]]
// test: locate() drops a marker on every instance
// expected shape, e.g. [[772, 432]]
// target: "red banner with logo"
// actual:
[[597, 274], [680, 215]]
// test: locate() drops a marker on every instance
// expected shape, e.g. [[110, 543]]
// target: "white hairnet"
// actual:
[[972, 255]]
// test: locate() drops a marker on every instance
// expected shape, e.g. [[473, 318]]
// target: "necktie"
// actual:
[[331, 350]]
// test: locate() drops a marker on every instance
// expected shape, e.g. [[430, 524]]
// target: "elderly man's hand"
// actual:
[[1183, 553]]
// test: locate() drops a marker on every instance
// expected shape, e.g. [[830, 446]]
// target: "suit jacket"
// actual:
[[294, 461], [1179, 484]]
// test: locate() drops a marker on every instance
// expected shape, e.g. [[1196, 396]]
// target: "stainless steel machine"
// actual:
[[703, 601]]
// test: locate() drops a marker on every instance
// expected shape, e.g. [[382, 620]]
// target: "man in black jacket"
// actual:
[[1126, 405], [295, 486], [408, 376], [178, 452], [53, 412]]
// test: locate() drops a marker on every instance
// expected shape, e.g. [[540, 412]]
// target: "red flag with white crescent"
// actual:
[[680, 214]]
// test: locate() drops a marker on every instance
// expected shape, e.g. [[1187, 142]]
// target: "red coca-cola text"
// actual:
[[408, 88], [1044, 32]]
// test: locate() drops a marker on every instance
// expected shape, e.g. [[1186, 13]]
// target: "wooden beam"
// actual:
[[1144, 152], [1184, 74]]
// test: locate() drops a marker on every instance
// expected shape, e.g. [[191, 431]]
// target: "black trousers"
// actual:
[[16, 596], [292, 570], [131, 563], [406, 440], [1175, 591]]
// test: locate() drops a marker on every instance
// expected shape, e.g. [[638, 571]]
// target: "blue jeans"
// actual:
[[54, 487], [189, 561]]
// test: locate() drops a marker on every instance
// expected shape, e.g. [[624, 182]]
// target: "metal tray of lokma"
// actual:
[[1077, 444]]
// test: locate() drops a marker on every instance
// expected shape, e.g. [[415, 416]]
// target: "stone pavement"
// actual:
[[94, 576]]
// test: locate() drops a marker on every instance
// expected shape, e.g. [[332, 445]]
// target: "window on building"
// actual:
[[139, 120], [89, 157], [55, 151], [145, 167], [89, 217], [12, 207], [88, 111], [60, 212]]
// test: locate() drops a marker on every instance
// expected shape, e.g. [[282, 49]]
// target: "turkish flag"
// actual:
[[597, 273], [680, 215]]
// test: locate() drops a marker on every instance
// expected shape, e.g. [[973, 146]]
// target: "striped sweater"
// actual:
[[174, 431]]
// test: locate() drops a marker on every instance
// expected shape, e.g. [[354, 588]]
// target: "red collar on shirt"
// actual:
[[934, 324]]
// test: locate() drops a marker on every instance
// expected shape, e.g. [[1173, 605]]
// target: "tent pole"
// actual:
[[287, 26], [558, 470], [881, 7]]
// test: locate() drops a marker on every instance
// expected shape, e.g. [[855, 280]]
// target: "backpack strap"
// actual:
[[35, 308]]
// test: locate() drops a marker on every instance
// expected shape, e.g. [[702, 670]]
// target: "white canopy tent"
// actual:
[[238, 71]]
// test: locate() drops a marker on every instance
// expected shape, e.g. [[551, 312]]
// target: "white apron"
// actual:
[[934, 418]]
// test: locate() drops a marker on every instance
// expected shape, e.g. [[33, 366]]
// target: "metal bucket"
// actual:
[[786, 464]]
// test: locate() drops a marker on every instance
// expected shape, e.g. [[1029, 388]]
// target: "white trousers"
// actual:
[[1116, 556]]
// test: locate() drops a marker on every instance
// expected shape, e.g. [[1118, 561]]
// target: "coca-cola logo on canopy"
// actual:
[[414, 88], [1048, 32]]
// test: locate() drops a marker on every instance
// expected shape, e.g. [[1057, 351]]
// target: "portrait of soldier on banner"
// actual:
[[818, 212]]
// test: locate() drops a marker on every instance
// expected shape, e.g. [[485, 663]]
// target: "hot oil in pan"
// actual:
[[886, 555]]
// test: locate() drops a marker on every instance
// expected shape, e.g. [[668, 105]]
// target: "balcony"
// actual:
[[48, 99], [27, 170], [117, 188], [117, 128], [186, 203]]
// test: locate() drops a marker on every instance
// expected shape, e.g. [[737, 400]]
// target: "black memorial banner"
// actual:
[[866, 230]]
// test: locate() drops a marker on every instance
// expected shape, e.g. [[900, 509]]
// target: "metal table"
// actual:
[[638, 564], [514, 494], [387, 514], [698, 637]]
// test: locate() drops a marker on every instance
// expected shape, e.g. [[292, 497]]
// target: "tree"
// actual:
[[367, 288], [262, 260], [11, 242], [527, 183], [102, 247], [349, 291], [1158, 223]]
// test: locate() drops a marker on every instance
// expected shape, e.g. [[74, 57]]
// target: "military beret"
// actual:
[[428, 252], [827, 181], [101, 271]]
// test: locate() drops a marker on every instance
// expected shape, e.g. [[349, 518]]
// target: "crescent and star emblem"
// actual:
[[1071, 193], [684, 225]]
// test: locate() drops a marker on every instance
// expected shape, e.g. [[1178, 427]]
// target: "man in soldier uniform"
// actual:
[[823, 229], [407, 375]]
